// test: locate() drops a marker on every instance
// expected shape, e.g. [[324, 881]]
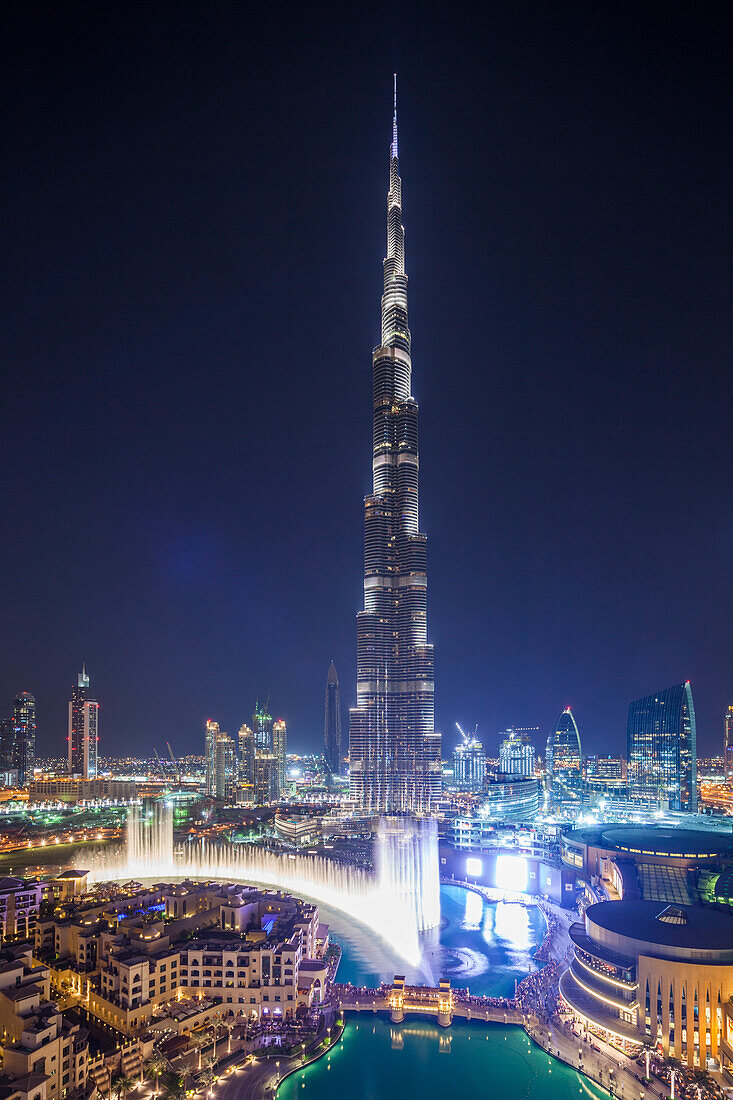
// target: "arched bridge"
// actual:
[[442, 1002]]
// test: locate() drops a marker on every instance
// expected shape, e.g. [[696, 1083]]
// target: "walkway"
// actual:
[[606, 1066]]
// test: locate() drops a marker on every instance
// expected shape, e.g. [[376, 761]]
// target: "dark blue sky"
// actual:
[[194, 228]]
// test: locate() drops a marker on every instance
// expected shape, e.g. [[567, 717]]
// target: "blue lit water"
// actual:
[[377, 1060], [483, 946]]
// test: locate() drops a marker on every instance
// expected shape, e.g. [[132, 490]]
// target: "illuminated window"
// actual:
[[474, 867]]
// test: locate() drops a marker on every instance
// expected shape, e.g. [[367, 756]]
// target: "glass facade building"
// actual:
[[517, 753], [469, 765], [83, 737], [564, 762], [394, 749], [662, 749], [24, 736], [728, 744]]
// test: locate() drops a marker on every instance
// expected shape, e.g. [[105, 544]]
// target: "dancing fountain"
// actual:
[[407, 867], [397, 903]]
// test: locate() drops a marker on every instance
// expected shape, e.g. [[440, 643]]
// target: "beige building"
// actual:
[[20, 903], [37, 1042], [127, 965], [650, 971], [80, 790]]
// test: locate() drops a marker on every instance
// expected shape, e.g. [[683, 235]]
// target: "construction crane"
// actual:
[[162, 769], [466, 738], [175, 765]]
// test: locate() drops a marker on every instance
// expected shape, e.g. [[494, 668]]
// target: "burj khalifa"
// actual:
[[394, 750]]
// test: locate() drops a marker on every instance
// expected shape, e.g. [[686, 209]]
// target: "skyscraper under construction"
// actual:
[[393, 747]]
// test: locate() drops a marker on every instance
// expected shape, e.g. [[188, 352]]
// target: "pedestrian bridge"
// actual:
[[442, 1002]]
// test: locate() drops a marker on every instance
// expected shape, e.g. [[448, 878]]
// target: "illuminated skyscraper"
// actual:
[[469, 765], [662, 749], [564, 761], [279, 750], [517, 753], [83, 730], [332, 723], [24, 725], [225, 767], [728, 744], [212, 729], [394, 749], [262, 728], [247, 761]]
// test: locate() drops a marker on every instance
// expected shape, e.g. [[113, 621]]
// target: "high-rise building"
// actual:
[[8, 753], [601, 767], [247, 760], [728, 744], [517, 753], [24, 724], [212, 730], [394, 750], [662, 749], [332, 723], [225, 767], [469, 765], [266, 778], [564, 761], [262, 728], [220, 757], [83, 730], [279, 751]]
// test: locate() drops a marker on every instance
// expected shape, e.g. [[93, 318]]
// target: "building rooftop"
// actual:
[[664, 925], [655, 840]]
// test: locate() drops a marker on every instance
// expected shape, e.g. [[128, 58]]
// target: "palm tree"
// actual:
[[175, 1089], [157, 1065], [229, 1025], [198, 1042], [122, 1085], [208, 1074]]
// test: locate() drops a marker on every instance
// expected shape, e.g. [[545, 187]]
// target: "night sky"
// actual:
[[194, 223]]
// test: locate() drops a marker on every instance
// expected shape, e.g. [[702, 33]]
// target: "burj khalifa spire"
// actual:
[[394, 749]]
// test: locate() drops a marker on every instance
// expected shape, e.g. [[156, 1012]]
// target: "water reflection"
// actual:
[[511, 923], [474, 910]]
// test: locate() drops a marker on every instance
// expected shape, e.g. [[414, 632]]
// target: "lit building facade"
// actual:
[[225, 768], [517, 753], [645, 971], [332, 723], [662, 749], [728, 744], [262, 728], [469, 765], [212, 731], [511, 799], [564, 762], [279, 751], [83, 737], [394, 750], [24, 737], [247, 761]]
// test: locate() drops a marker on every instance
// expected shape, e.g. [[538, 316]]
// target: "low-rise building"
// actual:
[[249, 953], [69, 789], [647, 971], [37, 1042], [20, 904]]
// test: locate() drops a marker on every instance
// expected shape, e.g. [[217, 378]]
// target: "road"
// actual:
[[254, 1081]]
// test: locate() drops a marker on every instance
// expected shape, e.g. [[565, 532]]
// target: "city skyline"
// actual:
[[573, 346]]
